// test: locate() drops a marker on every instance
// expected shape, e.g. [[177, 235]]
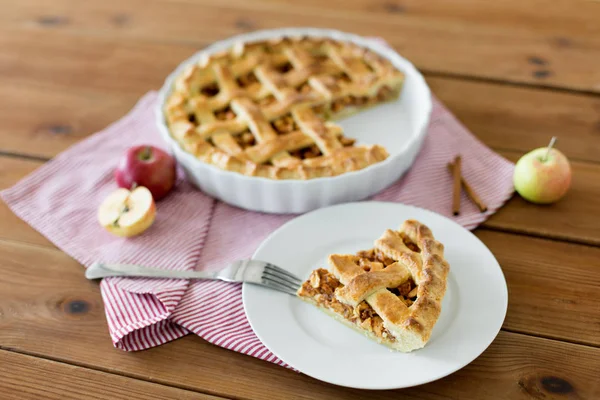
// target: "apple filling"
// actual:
[[307, 152], [305, 88], [320, 58], [246, 80], [285, 67], [406, 292], [225, 114], [343, 78], [321, 286], [320, 289], [314, 151], [210, 90], [384, 94], [245, 139], [267, 101], [340, 104], [320, 110], [409, 243], [284, 124], [192, 119]]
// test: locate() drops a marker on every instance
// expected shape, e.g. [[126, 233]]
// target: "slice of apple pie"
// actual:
[[392, 293]]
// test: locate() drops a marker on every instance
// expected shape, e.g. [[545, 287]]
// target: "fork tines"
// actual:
[[280, 279]]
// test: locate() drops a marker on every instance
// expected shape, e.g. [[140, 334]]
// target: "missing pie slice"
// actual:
[[392, 293], [265, 108]]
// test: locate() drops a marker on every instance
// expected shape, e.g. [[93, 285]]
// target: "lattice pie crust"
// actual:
[[391, 293], [264, 109]]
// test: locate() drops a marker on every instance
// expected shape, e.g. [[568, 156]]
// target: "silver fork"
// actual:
[[252, 271]]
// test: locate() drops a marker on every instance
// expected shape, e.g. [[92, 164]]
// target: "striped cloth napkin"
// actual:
[[193, 230]]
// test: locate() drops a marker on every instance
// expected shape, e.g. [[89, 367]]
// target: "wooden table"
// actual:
[[515, 72]]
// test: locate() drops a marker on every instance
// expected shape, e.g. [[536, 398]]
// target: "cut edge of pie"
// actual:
[[265, 108], [392, 293]]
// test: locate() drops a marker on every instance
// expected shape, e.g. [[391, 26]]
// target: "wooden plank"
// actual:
[[503, 117], [25, 377], [11, 170], [44, 120], [522, 367], [522, 119], [546, 279], [47, 102], [516, 366], [526, 42], [539, 261], [573, 218], [59, 314], [90, 64]]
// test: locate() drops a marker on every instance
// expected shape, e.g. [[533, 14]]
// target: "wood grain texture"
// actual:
[[25, 377], [573, 218], [531, 265], [94, 65], [49, 102], [529, 42], [62, 117], [68, 68], [549, 281], [11, 227], [522, 119], [44, 120], [545, 279]]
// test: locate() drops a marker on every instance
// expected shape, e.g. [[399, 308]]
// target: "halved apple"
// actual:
[[127, 213]]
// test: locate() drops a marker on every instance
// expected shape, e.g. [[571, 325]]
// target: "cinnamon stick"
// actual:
[[469, 190], [456, 186]]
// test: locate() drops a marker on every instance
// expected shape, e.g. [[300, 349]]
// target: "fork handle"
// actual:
[[101, 270]]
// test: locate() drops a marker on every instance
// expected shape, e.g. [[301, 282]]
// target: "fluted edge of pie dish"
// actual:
[[298, 196]]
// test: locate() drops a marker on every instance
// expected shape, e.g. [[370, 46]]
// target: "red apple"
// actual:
[[147, 166]]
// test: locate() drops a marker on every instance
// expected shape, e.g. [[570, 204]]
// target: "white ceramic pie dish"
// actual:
[[399, 126]]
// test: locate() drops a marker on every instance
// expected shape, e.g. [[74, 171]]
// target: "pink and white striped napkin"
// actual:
[[193, 230]]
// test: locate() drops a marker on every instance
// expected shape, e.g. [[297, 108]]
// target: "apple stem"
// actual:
[[550, 146], [146, 154]]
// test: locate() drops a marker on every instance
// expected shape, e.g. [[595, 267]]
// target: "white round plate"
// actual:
[[317, 345]]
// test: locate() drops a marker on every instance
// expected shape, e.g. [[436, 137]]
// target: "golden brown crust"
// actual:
[[246, 89], [364, 284], [320, 289], [407, 293]]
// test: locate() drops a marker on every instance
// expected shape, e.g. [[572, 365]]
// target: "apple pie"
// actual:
[[265, 108], [392, 293]]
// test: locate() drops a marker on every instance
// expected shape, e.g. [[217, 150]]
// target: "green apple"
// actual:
[[543, 175]]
